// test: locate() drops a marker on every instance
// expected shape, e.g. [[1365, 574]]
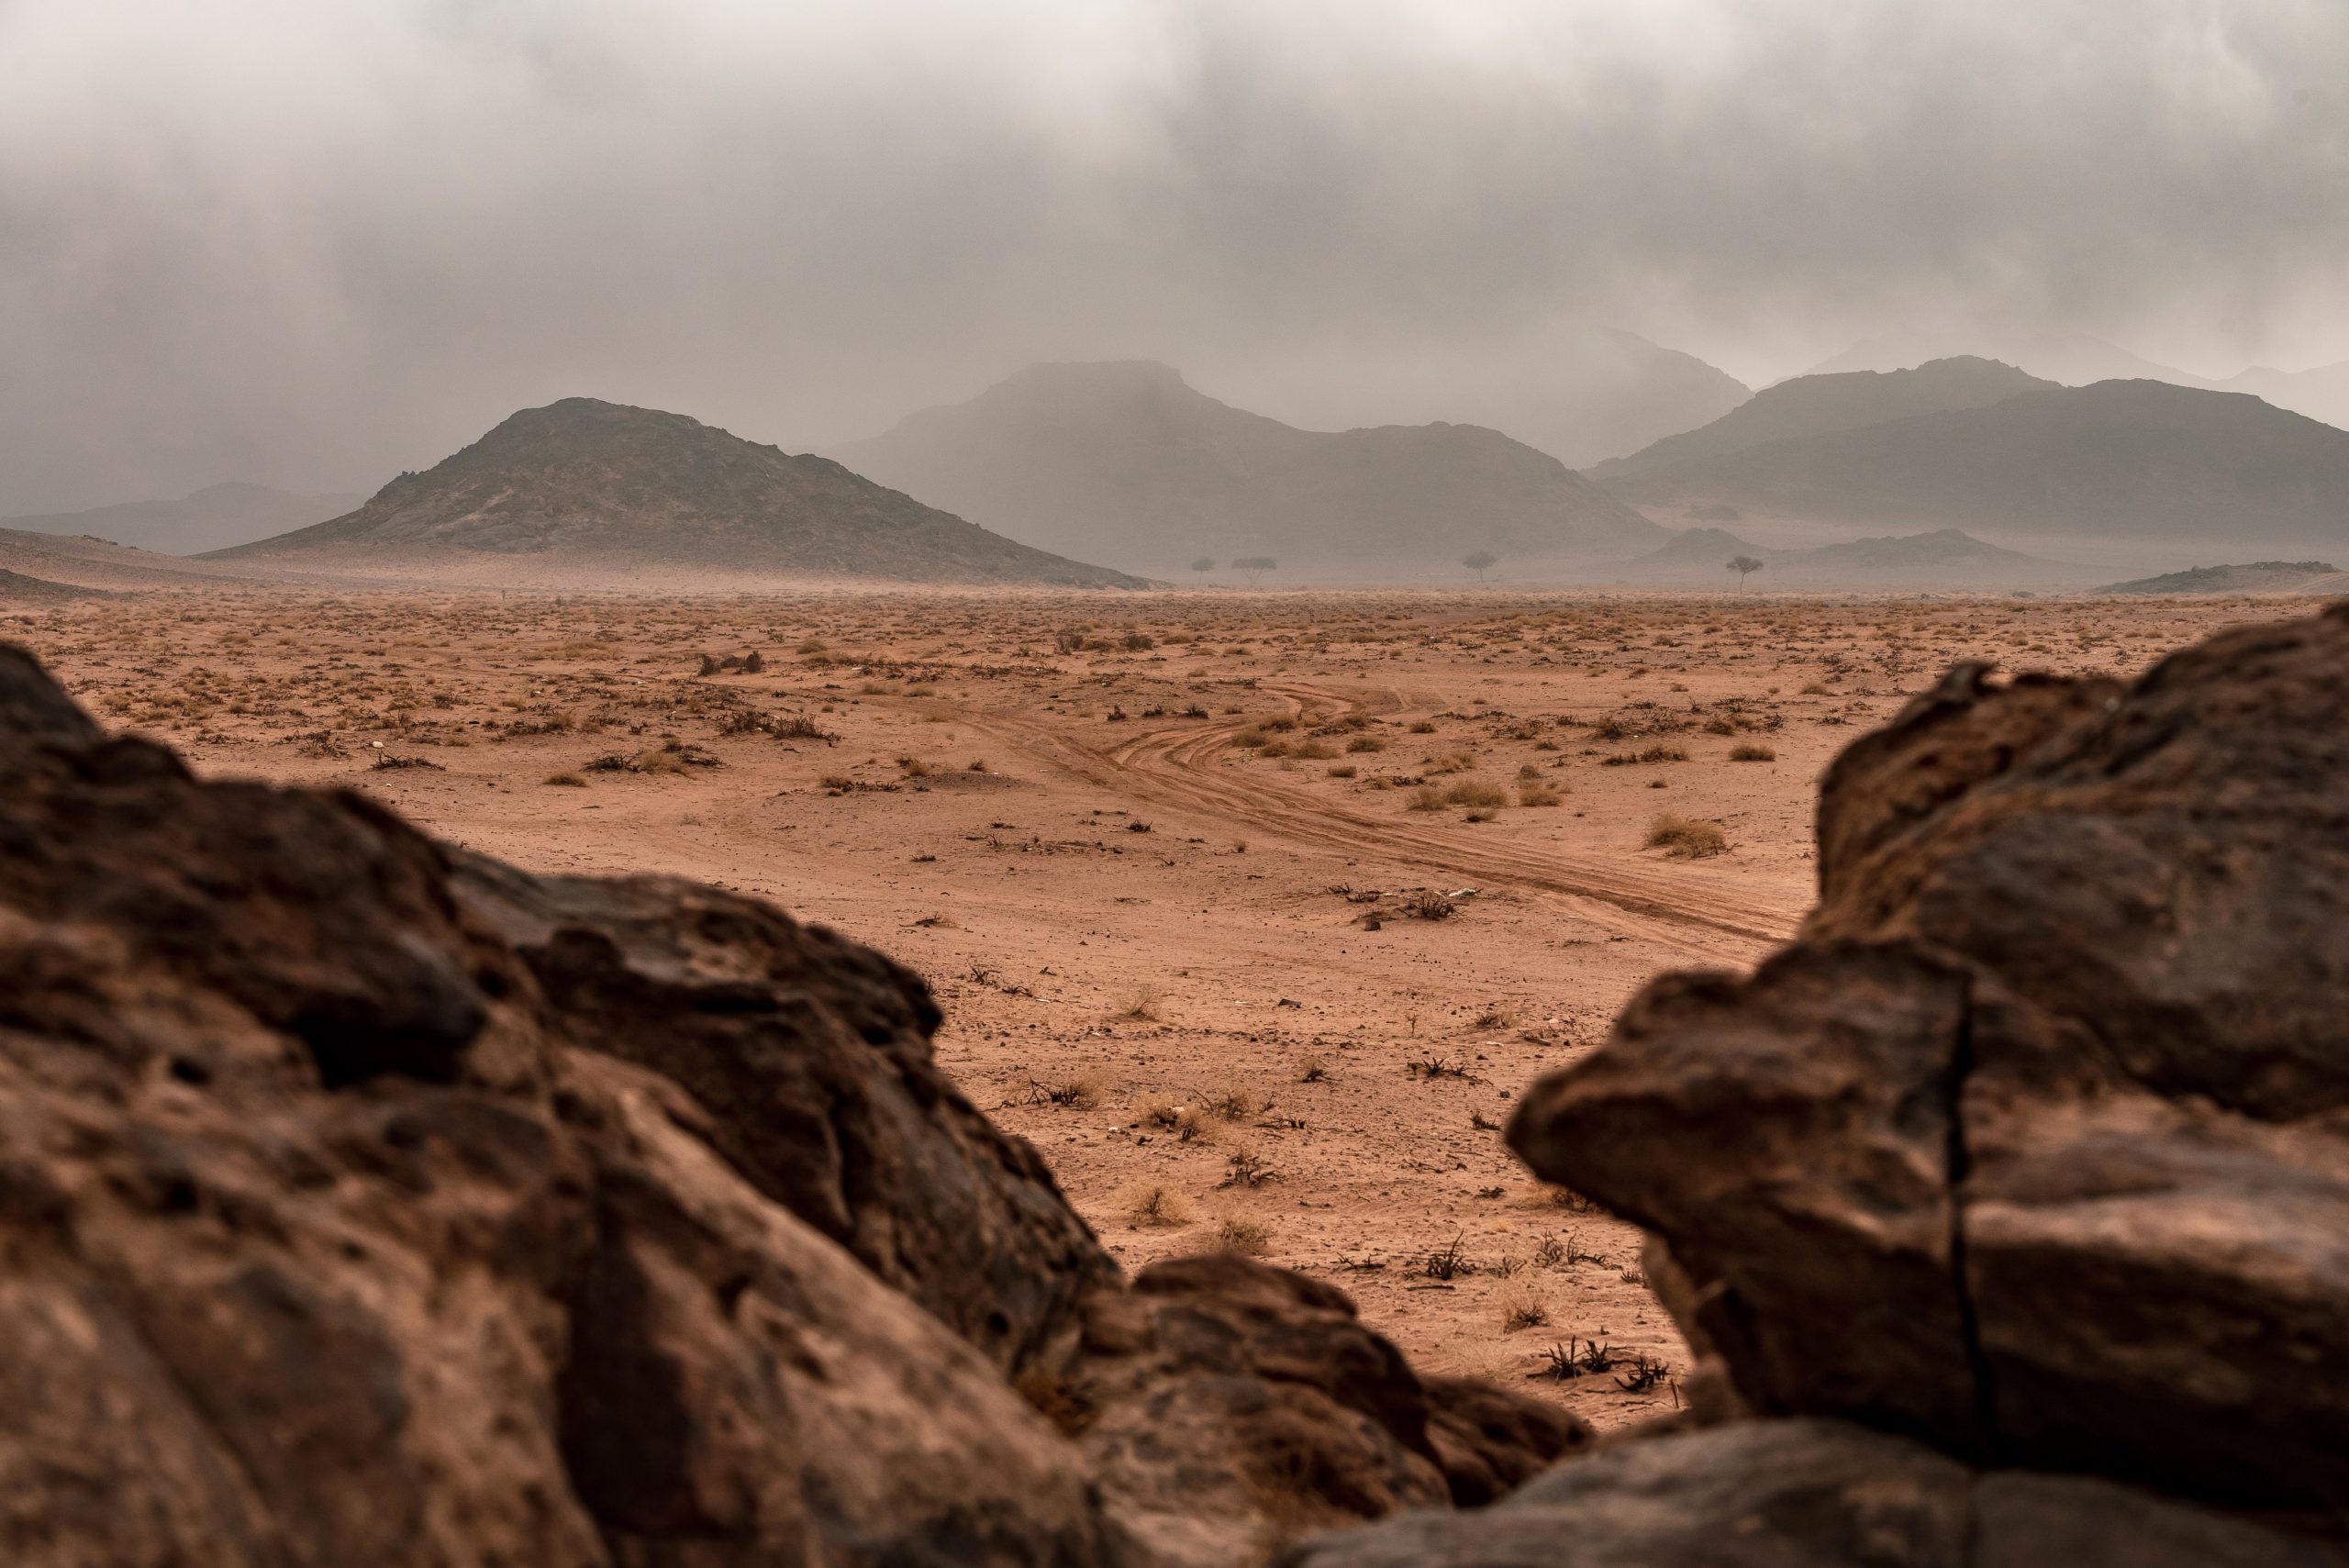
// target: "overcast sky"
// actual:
[[311, 244]]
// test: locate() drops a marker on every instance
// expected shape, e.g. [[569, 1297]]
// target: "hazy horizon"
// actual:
[[310, 246]]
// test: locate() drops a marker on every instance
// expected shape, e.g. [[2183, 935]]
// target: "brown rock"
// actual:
[[1230, 1405], [1811, 1494], [812, 1055], [2034, 1143], [327, 1237]]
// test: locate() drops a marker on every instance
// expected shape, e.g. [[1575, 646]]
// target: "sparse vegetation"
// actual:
[[1684, 838]]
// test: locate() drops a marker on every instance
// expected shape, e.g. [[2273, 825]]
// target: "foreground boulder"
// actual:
[[363, 1202], [2035, 1143], [1231, 1406], [319, 1244], [1812, 1494]]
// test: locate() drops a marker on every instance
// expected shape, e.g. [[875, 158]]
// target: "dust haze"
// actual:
[[312, 247]]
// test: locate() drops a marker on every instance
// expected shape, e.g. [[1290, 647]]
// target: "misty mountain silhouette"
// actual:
[[1816, 405], [1576, 391], [600, 485], [2119, 459], [212, 518], [2077, 359], [1943, 558], [1126, 461]]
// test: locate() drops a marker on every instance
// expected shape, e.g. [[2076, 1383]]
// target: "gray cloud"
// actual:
[[311, 245]]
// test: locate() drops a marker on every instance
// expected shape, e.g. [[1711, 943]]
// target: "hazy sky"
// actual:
[[310, 244]]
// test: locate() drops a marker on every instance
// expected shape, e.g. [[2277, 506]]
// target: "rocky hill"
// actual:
[[1816, 405], [86, 562], [16, 588], [2255, 578], [214, 517], [2134, 460], [1125, 461], [587, 487]]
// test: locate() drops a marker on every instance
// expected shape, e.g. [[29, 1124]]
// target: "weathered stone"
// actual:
[[2034, 1144], [1230, 1405], [1811, 1494]]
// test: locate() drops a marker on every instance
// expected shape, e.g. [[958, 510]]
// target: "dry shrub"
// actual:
[[1427, 798], [1366, 743], [1685, 838], [1749, 752], [1235, 1104], [1153, 1203], [1249, 1237], [1537, 795], [1481, 793], [1315, 750], [567, 780], [1524, 1310]]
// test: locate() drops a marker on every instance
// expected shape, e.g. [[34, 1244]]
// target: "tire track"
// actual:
[[1686, 909]]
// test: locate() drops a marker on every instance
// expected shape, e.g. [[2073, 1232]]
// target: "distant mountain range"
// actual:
[[1579, 392], [2255, 578], [1818, 405], [1943, 558], [212, 518], [583, 486], [1125, 461], [2076, 359], [2134, 460]]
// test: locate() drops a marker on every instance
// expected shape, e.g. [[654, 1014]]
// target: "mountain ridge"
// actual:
[[584, 483], [2138, 461], [218, 517], [1126, 459], [1820, 404]]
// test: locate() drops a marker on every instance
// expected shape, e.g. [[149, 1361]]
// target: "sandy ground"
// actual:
[[1167, 859]]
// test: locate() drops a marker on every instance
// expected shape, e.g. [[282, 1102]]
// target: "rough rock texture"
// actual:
[[1812, 1494], [318, 1244], [1230, 1405], [811, 1055], [2035, 1144], [365, 1201]]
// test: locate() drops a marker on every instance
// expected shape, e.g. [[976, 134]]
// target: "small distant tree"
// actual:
[[1203, 565], [1480, 562], [1744, 566], [1255, 566]]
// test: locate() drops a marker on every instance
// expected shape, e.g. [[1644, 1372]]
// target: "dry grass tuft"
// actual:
[[1153, 1204], [1685, 838]]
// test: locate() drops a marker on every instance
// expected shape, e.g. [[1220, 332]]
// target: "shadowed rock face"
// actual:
[[1812, 1494], [1229, 1405], [365, 1201], [2033, 1145]]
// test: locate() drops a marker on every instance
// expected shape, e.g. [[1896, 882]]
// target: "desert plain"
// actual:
[[1254, 911]]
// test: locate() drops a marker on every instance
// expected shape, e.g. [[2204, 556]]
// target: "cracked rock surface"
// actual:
[[2035, 1143]]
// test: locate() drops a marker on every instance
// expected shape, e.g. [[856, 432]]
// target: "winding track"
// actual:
[[1687, 907]]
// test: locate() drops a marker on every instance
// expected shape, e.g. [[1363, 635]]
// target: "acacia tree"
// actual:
[[1479, 562], [1255, 566], [1744, 566], [1203, 565]]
